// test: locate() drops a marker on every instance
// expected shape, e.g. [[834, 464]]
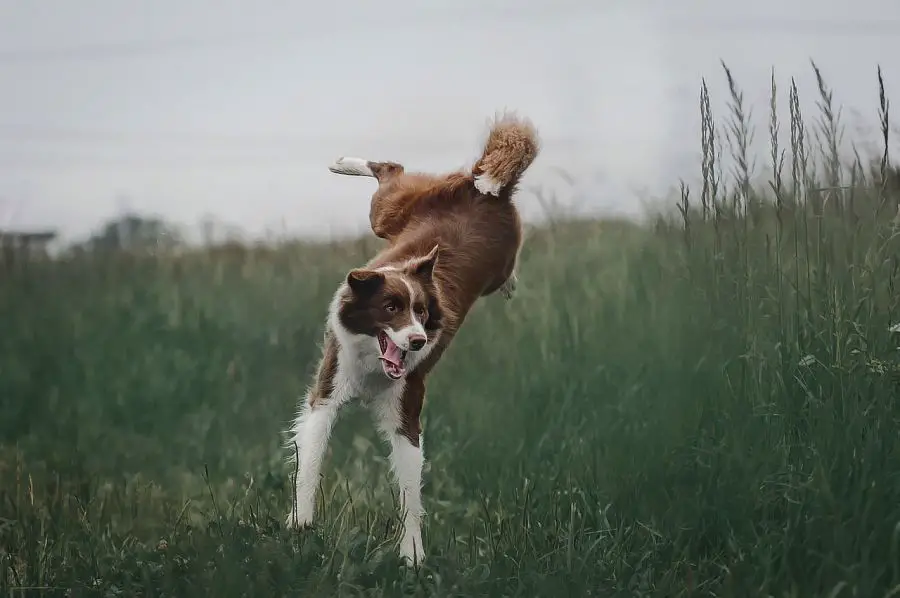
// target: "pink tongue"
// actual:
[[392, 352]]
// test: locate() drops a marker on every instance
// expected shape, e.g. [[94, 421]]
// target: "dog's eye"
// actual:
[[391, 307]]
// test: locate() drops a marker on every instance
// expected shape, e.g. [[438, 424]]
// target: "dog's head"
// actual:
[[397, 307]]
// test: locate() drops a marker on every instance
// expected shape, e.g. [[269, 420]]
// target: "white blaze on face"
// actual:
[[401, 348], [403, 336]]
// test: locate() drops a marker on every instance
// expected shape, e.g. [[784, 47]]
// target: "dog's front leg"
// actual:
[[311, 432], [407, 459], [397, 416]]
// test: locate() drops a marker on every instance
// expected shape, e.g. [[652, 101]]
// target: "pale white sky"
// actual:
[[189, 107]]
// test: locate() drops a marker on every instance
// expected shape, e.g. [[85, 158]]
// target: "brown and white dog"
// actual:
[[452, 239]]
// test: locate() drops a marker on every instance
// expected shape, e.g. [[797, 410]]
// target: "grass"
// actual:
[[703, 406]]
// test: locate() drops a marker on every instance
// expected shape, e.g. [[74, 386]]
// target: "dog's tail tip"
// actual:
[[511, 146]]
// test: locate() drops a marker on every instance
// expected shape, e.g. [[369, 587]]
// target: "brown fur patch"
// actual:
[[327, 370], [411, 403]]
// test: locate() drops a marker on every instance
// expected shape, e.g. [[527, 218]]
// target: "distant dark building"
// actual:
[[19, 246]]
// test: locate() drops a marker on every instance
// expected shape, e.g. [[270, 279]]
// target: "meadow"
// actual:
[[701, 405]]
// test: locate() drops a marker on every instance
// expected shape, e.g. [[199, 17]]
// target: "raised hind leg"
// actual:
[[381, 171], [388, 212]]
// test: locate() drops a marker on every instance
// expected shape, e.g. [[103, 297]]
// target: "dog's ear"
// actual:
[[364, 282], [423, 267]]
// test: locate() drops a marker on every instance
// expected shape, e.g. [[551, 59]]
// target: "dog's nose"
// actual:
[[416, 342]]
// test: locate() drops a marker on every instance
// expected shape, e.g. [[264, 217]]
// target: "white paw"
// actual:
[[351, 166], [411, 550], [298, 520], [509, 287]]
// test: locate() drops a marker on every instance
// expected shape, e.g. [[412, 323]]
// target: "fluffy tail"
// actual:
[[511, 147]]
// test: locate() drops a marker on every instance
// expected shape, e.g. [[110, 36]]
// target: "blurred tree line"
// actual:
[[132, 232]]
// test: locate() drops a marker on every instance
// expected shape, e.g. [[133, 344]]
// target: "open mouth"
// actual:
[[391, 357]]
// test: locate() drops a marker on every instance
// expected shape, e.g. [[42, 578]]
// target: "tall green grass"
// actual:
[[702, 406]]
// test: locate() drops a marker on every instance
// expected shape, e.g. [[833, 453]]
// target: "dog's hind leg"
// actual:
[[362, 167], [509, 286], [387, 214]]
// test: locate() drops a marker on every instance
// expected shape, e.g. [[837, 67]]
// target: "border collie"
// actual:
[[451, 239]]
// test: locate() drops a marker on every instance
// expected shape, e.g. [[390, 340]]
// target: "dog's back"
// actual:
[[470, 215], [478, 236]]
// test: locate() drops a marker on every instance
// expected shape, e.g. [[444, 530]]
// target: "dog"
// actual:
[[451, 239]]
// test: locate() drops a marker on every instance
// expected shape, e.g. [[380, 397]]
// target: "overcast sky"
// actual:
[[190, 107]]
